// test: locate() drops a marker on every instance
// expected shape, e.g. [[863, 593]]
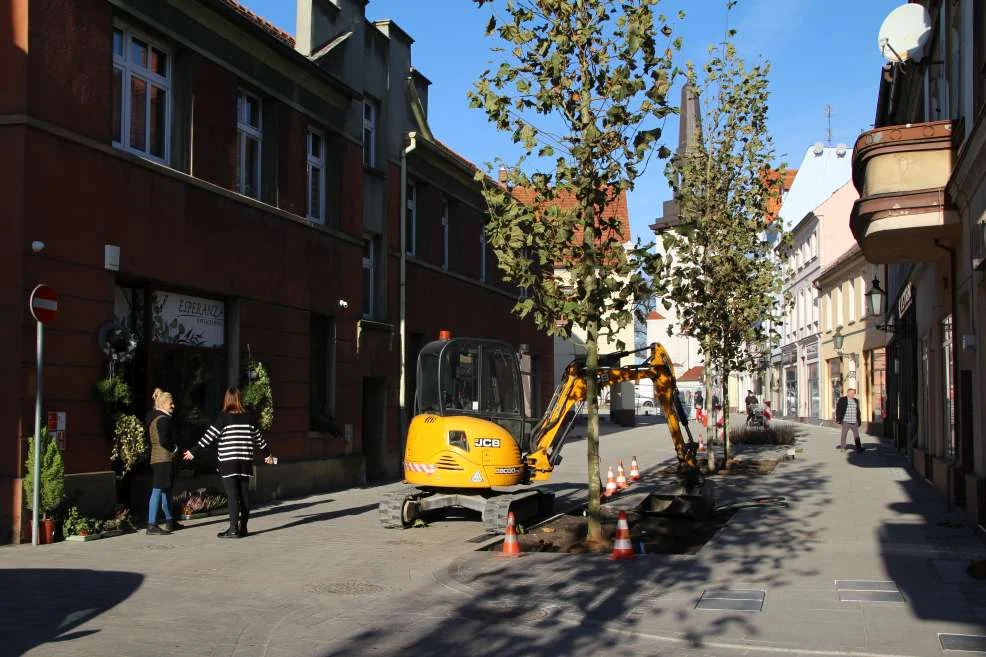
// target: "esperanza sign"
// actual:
[[193, 321]]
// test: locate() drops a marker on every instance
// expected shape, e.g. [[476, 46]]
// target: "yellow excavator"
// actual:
[[469, 438]]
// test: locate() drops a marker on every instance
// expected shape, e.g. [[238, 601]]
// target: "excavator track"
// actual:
[[398, 509], [524, 504]]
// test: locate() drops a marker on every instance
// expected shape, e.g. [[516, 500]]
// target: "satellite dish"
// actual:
[[904, 33]]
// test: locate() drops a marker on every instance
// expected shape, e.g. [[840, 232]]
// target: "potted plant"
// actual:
[[52, 483], [76, 524]]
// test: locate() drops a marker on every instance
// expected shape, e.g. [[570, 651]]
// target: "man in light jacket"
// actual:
[[847, 414]]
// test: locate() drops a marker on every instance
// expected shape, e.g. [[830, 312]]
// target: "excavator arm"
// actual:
[[552, 430]]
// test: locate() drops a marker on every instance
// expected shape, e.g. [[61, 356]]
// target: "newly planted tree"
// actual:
[[582, 89], [722, 273]]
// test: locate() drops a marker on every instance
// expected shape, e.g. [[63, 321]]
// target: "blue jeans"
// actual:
[[159, 497]]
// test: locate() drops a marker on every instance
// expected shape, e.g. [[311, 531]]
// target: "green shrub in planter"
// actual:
[[52, 476]]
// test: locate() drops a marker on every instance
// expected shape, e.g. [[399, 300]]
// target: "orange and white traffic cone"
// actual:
[[511, 546], [610, 484], [634, 470], [621, 477], [622, 548]]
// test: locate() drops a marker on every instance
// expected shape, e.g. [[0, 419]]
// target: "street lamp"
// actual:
[[874, 299], [838, 339]]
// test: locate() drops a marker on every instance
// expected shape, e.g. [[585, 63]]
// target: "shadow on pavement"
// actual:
[[927, 552], [45, 605], [319, 517], [546, 605]]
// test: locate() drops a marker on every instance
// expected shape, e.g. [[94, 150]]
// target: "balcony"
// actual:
[[901, 172]]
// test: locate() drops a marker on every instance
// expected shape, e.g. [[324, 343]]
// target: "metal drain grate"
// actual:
[[963, 642], [862, 590], [735, 600]]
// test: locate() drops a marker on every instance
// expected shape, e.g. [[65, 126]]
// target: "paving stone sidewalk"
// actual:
[[320, 578]]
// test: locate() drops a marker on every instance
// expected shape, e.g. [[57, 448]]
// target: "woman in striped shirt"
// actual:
[[235, 434]]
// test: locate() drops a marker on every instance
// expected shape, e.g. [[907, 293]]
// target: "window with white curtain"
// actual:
[[851, 299], [141, 95], [248, 127]]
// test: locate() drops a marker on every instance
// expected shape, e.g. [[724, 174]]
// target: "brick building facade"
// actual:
[[223, 191]]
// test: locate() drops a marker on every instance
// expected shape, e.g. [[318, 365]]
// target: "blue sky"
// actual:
[[822, 52]]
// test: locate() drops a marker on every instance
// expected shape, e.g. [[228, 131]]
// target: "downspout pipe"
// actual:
[[409, 146], [953, 289]]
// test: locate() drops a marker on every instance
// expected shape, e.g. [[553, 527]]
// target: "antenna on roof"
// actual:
[[828, 116]]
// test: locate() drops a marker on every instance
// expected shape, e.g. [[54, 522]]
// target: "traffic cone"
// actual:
[[511, 546], [621, 477], [622, 549], [610, 484], [634, 471]]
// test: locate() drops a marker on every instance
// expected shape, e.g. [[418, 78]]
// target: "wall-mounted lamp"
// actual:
[[838, 339], [37, 246], [875, 298], [343, 304]]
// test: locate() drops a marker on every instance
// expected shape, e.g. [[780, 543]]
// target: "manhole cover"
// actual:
[[732, 600], [347, 588], [160, 546], [963, 642], [857, 590]]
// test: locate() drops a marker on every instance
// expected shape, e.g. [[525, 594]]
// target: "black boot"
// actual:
[[154, 529], [173, 526], [242, 525], [229, 533]]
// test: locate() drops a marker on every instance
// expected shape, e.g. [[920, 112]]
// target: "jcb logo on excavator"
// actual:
[[486, 442]]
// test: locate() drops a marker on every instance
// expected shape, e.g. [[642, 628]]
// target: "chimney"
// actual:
[[503, 175]]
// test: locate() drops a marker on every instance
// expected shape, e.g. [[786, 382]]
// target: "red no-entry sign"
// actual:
[[44, 303]]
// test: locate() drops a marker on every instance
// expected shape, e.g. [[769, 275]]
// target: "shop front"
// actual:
[[791, 381], [811, 358], [180, 348]]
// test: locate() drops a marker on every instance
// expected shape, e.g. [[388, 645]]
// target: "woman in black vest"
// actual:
[[235, 434], [161, 431]]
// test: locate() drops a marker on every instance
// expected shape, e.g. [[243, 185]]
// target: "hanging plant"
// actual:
[[114, 392], [129, 444], [257, 395]]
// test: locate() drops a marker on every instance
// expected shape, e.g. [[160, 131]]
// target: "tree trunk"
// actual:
[[594, 524], [725, 416], [709, 410]]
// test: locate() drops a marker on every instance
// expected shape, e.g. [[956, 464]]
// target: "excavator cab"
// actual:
[[471, 377]]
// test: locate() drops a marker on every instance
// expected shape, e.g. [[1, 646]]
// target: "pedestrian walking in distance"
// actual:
[[847, 414], [235, 434], [160, 428]]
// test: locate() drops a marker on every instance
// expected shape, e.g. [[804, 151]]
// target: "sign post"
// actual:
[[44, 306]]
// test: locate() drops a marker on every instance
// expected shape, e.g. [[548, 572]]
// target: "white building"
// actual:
[[816, 211]]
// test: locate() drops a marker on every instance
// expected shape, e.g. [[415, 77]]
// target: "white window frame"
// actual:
[[129, 70], [411, 218], [445, 254], [838, 306], [369, 264], [370, 125], [315, 162], [244, 132]]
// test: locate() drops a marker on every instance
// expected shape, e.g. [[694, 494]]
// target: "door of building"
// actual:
[[375, 428]]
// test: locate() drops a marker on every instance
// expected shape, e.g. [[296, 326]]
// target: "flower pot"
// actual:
[[47, 531]]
